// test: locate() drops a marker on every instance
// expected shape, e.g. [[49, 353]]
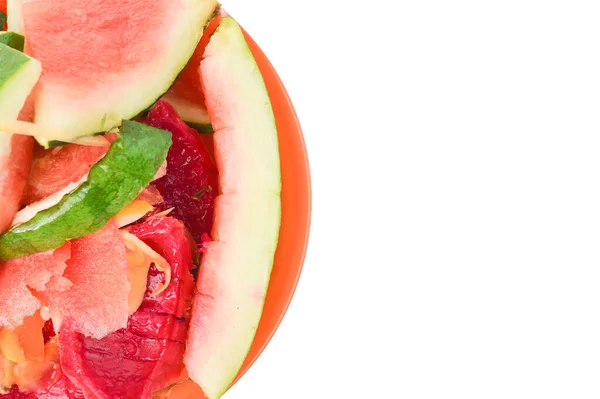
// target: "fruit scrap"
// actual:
[[30, 374], [144, 356], [191, 173], [129, 165], [139, 258], [18, 76], [23, 280], [54, 169], [97, 302], [132, 212]]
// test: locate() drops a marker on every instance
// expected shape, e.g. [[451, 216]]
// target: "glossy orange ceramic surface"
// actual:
[[295, 220]]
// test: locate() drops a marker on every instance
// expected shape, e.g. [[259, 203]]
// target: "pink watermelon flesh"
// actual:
[[130, 20], [24, 280], [55, 168], [14, 169], [135, 361], [116, 49], [190, 185], [97, 301]]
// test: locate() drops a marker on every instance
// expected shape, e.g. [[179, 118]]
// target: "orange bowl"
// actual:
[[295, 219]]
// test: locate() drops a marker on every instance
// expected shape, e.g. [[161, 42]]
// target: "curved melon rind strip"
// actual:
[[18, 74], [236, 267], [13, 16], [129, 166], [193, 114], [116, 88]]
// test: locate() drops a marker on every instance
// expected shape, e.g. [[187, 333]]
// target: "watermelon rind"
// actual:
[[236, 268], [13, 40], [118, 95], [14, 20], [130, 165], [18, 75], [194, 115]]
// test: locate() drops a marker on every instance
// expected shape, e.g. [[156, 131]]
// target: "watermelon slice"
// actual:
[[235, 270], [135, 361], [105, 61], [18, 76]]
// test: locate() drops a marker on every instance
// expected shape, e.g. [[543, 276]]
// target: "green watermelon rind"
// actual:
[[193, 114], [130, 165], [13, 40], [18, 75]]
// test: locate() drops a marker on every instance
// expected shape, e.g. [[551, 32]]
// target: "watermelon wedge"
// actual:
[[105, 61], [236, 267], [18, 75]]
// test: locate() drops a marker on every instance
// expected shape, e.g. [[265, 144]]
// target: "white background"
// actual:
[[455, 152]]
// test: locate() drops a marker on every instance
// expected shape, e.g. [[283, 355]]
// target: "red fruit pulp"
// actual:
[[190, 185], [135, 361], [61, 389]]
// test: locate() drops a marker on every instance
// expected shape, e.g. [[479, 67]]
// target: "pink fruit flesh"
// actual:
[[88, 58], [14, 169], [190, 185], [96, 306], [24, 280], [55, 168]]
